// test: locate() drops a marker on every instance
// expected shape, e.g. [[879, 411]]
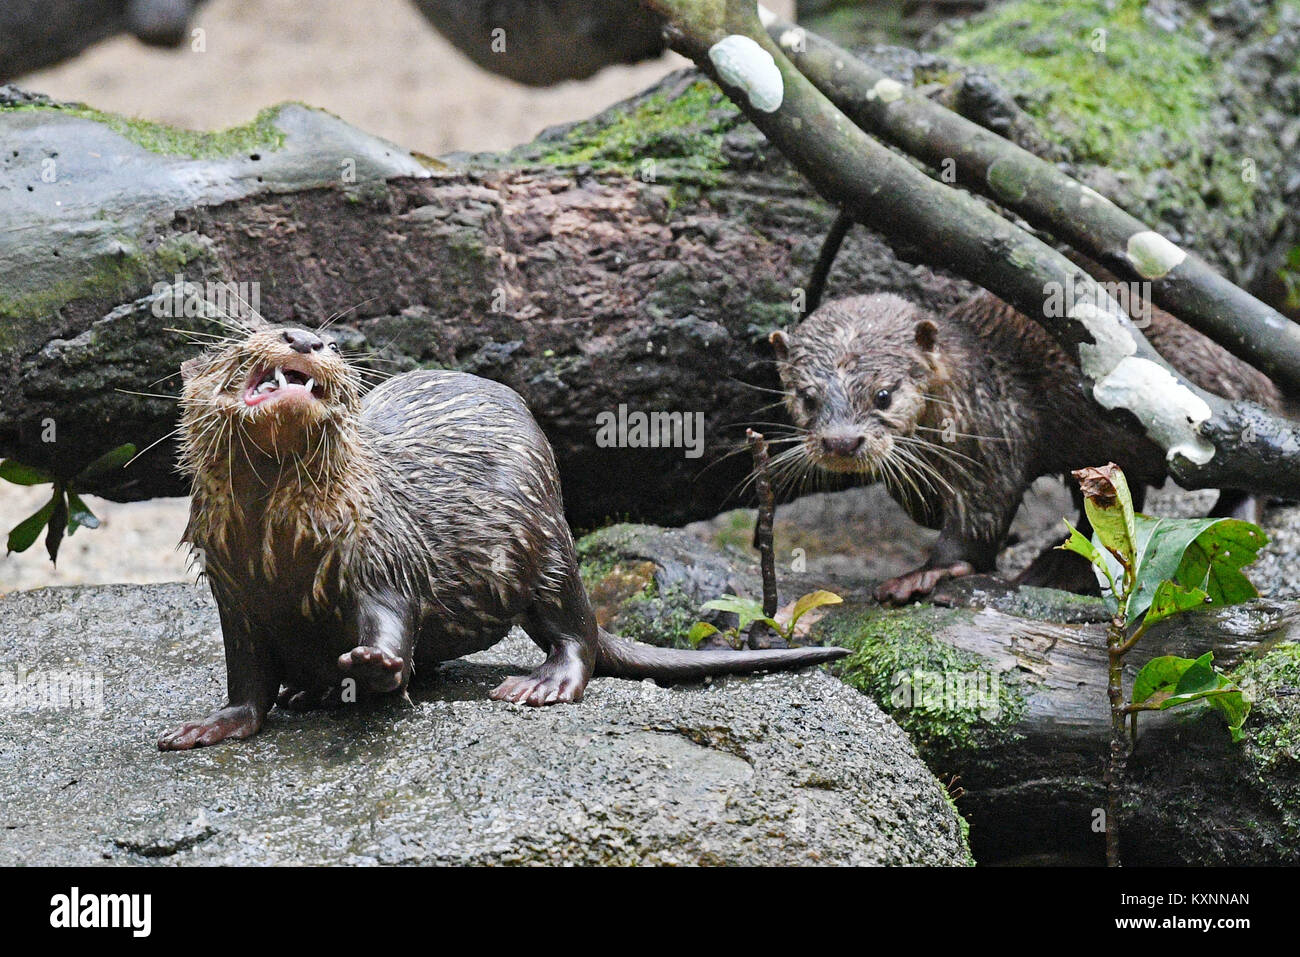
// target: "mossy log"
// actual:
[[1003, 691], [636, 260]]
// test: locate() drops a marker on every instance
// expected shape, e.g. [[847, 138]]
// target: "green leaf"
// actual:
[[746, 609], [1195, 553], [58, 523], [19, 474], [1109, 505], [1235, 708], [108, 462], [699, 631], [79, 514], [1172, 598], [814, 599], [1170, 681], [22, 535], [1080, 545], [1159, 677], [1224, 549]]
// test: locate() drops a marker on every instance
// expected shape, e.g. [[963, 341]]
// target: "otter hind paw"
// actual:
[[918, 583], [561, 679]]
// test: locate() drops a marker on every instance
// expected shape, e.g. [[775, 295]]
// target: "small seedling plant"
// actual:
[[65, 512], [750, 610], [1151, 569]]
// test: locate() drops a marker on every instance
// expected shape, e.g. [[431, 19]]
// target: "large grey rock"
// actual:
[[774, 770]]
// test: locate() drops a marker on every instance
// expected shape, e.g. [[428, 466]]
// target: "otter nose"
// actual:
[[842, 444], [300, 340]]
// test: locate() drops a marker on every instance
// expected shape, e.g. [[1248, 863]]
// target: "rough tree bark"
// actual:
[[637, 260]]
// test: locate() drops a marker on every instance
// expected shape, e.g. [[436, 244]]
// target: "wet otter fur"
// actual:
[[959, 415], [351, 536]]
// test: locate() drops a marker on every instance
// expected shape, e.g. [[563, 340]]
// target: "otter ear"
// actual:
[[780, 344], [927, 335]]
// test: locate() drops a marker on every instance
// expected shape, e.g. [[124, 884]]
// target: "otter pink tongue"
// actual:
[[278, 380]]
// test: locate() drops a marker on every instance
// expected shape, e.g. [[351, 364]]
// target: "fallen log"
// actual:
[[633, 263], [628, 266]]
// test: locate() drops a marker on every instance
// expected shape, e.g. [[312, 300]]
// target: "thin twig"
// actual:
[[766, 518]]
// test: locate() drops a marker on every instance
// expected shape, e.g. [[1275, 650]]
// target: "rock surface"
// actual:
[[776, 770]]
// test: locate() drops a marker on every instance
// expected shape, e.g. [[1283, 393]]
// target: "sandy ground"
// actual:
[[376, 63]]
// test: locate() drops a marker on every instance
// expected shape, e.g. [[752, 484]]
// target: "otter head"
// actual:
[[271, 394], [858, 375]]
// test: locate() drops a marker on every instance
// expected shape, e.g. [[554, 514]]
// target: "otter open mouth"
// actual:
[[281, 382]]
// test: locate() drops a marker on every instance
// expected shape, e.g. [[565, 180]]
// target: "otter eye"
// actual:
[[808, 398], [883, 398], [334, 347]]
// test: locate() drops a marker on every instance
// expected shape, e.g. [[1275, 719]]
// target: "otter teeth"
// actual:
[[311, 384], [280, 379]]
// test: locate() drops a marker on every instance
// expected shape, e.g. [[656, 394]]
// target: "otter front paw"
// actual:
[[374, 669], [233, 721], [919, 583]]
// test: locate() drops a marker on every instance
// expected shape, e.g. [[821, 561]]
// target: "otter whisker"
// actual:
[[946, 452], [152, 445], [963, 435], [917, 454], [149, 395], [756, 388], [339, 315]]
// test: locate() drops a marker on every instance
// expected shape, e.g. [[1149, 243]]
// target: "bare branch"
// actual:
[[1047, 198], [1210, 443]]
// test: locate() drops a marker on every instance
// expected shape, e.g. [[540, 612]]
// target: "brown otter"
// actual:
[[350, 537], [959, 415]]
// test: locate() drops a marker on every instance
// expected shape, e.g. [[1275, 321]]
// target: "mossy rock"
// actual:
[[647, 584], [951, 702], [1152, 106]]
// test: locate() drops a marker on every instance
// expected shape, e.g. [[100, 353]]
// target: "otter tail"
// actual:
[[618, 658]]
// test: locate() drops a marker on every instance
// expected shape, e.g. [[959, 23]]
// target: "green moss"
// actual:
[[1274, 723], [961, 823], [677, 134], [1272, 744], [623, 590], [736, 532], [898, 660], [259, 134], [114, 276], [1105, 105]]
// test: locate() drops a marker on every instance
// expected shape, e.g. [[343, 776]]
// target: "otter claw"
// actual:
[[377, 670], [536, 691]]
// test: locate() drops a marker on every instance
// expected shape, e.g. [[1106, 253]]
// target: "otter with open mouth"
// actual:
[[350, 538]]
